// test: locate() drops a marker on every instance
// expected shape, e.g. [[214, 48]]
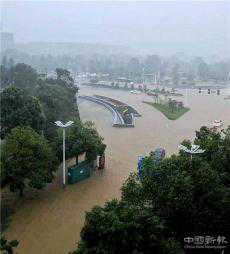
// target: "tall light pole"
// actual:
[[63, 126], [195, 149]]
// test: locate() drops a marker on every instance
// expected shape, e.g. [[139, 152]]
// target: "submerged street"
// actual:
[[50, 221]]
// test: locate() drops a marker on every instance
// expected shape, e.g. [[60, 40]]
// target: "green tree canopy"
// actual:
[[63, 74], [22, 76], [181, 196], [18, 108], [217, 147], [59, 103], [118, 228], [29, 159], [81, 137]]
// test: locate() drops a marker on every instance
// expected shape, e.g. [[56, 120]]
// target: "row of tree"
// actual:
[[175, 67], [180, 198], [31, 144]]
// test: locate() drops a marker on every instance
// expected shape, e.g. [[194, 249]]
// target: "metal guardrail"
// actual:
[[117, 118], [110, 100]]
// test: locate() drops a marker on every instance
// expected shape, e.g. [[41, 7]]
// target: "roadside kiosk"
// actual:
[[80, 171]]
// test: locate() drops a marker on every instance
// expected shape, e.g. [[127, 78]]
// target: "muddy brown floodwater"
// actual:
[[50, 221]]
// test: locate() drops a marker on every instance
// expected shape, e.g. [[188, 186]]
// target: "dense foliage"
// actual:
[[178, 68], [53, 96], [30, 106], [80, 138], [120, 228], [58, 102], [28, 159], [20, 75], [180, 197], [18, 108], [29, 101]]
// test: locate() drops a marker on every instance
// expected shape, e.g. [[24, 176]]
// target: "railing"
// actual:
[[117, 118]]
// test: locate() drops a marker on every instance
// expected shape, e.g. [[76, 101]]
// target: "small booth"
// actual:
[[84, 166], [80, 171]]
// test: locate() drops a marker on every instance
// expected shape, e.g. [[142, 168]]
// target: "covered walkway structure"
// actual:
[[123, 114]]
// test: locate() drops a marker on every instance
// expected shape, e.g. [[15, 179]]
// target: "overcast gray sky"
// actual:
[[178, 24]]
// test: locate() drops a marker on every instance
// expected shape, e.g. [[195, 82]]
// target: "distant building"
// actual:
[[7, 41]]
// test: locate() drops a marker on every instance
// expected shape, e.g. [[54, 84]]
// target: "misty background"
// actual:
[[195, 28], [180, 43]]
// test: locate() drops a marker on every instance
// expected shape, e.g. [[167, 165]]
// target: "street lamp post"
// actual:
[[63, 126], [195, 149]]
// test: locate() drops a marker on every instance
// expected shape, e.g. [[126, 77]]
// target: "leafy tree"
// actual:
[[59, 103], [63, 74], [7, 247], [179, 189], [118, 228], [29, 160], [217, 150], [23, 76], [80, 138], [193, 196], [18, 108], [93, 142], [20, 75], [54, 97]]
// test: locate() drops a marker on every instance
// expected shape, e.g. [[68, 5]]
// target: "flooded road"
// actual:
[[50, 222]]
